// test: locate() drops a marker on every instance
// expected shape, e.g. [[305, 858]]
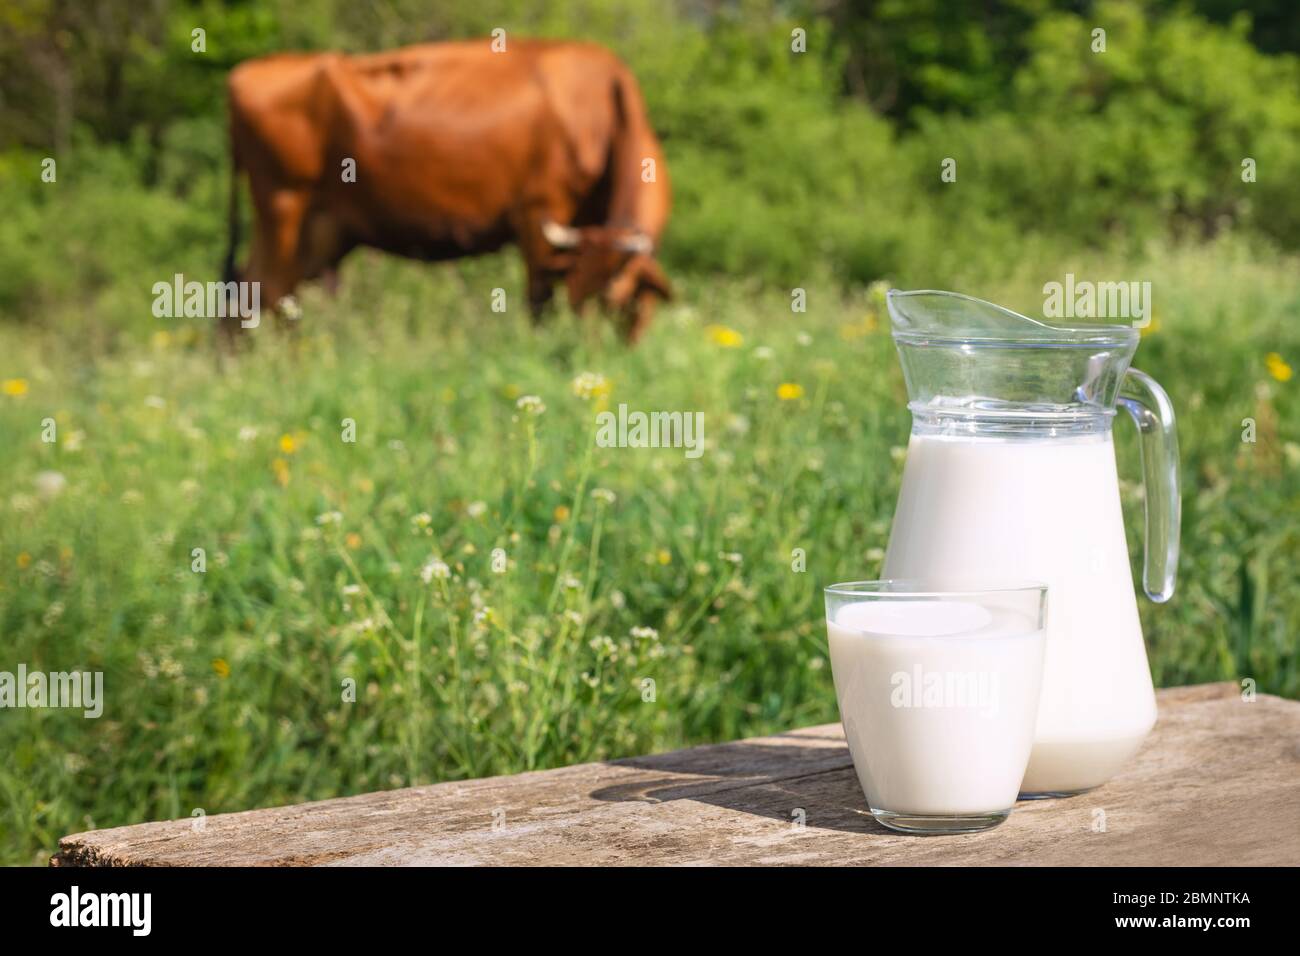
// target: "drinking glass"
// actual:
[[938, 691]]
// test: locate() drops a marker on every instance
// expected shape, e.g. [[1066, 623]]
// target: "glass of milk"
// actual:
[[938, 692]]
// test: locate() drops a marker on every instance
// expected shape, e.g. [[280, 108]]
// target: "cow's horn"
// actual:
[[561, 237], [638, 242]]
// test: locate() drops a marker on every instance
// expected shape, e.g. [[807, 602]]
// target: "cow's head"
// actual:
[[612, 263]]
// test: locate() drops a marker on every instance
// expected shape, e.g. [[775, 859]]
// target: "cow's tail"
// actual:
[[229, 273]]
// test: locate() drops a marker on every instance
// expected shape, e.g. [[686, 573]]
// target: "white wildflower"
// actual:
[[737, 424], [290, 308], [590, 385], [49, 484], [435, 568], [530, 405]]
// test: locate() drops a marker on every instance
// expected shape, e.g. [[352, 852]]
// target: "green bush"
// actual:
[[777, 173]]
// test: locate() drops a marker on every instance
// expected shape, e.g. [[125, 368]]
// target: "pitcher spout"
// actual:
[[934, 315]]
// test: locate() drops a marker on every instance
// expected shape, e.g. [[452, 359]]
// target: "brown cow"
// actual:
[[458, 150]]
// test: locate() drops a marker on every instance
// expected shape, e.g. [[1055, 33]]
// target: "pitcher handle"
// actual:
[[1153, 414]]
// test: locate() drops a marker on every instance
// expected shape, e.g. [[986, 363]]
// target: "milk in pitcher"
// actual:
[[994, 505], [1011, 472]]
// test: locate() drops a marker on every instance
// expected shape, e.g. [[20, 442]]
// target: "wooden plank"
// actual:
[[1217, 783]]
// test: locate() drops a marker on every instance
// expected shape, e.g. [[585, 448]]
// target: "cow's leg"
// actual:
[[329, 277], [322, 248], [541, 291], [539, 257], [275, 262], [642, 311]]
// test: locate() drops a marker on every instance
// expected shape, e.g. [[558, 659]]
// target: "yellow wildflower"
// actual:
[[221, 667], [664, 556], [289, 444], [725, 337], [561, 514], [857, 330], [878, 294], [352, 540], [1278, 367], [789, 391], [24, 559], [14, 387]]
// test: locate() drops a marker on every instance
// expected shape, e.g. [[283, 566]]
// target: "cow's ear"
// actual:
[[651, 276]]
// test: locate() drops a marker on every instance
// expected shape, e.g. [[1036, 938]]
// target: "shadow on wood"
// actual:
[[813, 785]]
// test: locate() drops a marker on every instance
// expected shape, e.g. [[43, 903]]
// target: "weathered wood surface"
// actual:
[[1217, 783]]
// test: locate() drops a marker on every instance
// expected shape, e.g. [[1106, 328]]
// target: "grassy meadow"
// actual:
[[495, 586]]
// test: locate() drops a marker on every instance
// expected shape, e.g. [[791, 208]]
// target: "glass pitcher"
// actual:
[[1011, 472]]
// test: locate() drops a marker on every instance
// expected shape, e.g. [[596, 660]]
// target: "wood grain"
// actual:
[[1217, 783]]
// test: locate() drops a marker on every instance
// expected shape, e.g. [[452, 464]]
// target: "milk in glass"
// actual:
[[937, 699]]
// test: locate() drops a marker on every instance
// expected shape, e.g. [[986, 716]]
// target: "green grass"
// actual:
[[224, 689]]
